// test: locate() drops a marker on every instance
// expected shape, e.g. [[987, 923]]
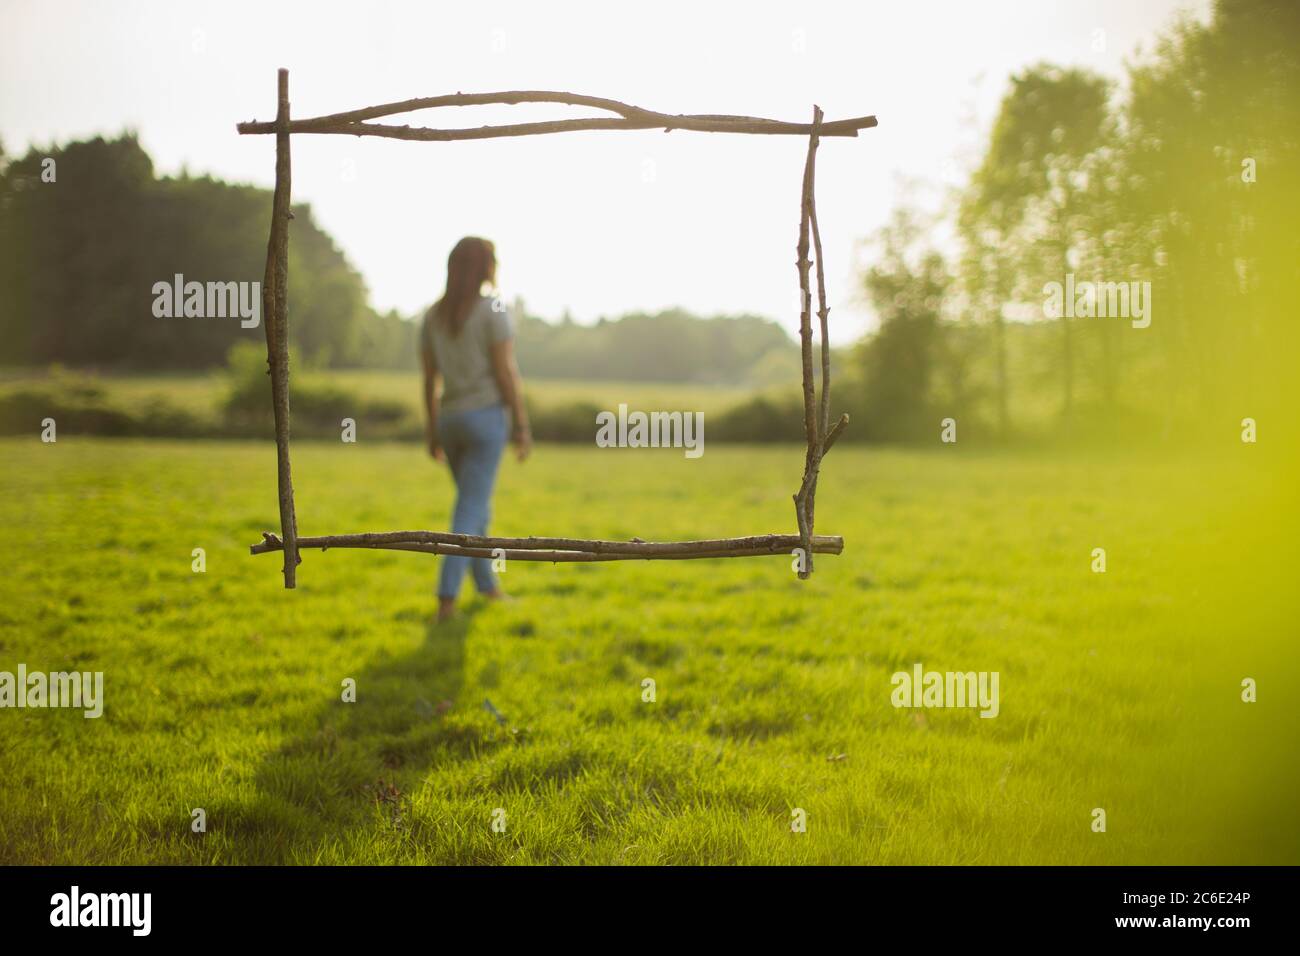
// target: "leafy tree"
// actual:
[[906, 287], [79, 257], [1051, 124]]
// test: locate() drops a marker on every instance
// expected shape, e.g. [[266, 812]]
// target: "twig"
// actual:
[[557, 549], [275, 295], [823, 311], [836, 430], [804, 498], [353, 122]]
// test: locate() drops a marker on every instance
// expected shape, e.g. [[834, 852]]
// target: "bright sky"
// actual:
[[598, 223]]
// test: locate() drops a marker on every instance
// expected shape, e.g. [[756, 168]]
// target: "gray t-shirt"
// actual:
[[465, 360]]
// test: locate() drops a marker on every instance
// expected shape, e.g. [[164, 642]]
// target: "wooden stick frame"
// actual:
[[818, 431]]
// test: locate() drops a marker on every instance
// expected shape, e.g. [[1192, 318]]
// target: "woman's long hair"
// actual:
[[472, 262]]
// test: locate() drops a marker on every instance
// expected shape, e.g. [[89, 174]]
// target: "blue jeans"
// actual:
[[473, 441]]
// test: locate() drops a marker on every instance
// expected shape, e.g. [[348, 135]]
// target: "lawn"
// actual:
[[1119, 691], [201, 393]]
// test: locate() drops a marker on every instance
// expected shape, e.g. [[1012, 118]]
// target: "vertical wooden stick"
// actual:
[[823, 314], [804, 499], [275, 294]]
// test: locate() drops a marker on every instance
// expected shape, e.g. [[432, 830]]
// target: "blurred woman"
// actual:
[[471, 382]]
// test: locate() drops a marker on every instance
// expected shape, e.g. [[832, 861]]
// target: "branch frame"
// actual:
[[820, 435]]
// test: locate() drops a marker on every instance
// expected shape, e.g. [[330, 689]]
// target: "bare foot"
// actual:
[[497, 595], [446, 609]]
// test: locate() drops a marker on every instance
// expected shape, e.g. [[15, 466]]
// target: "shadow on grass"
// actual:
[[353, 764]]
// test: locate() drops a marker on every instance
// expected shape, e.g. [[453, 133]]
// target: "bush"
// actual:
[[317, 409], [575, 422], [81, 409], [761, 419], [23, 410]]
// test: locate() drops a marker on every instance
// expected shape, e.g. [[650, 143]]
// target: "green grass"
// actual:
[[201, 393], [551, 393], [1118, 690]]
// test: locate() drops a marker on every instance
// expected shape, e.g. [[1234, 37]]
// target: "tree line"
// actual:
[[1121, 261], [1174, 194], [88, 231]]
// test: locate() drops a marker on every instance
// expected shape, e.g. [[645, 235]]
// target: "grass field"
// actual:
[[201, 393], [1119, 690]]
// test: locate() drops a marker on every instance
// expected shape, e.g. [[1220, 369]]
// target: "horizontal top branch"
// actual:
[[628, 117]]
